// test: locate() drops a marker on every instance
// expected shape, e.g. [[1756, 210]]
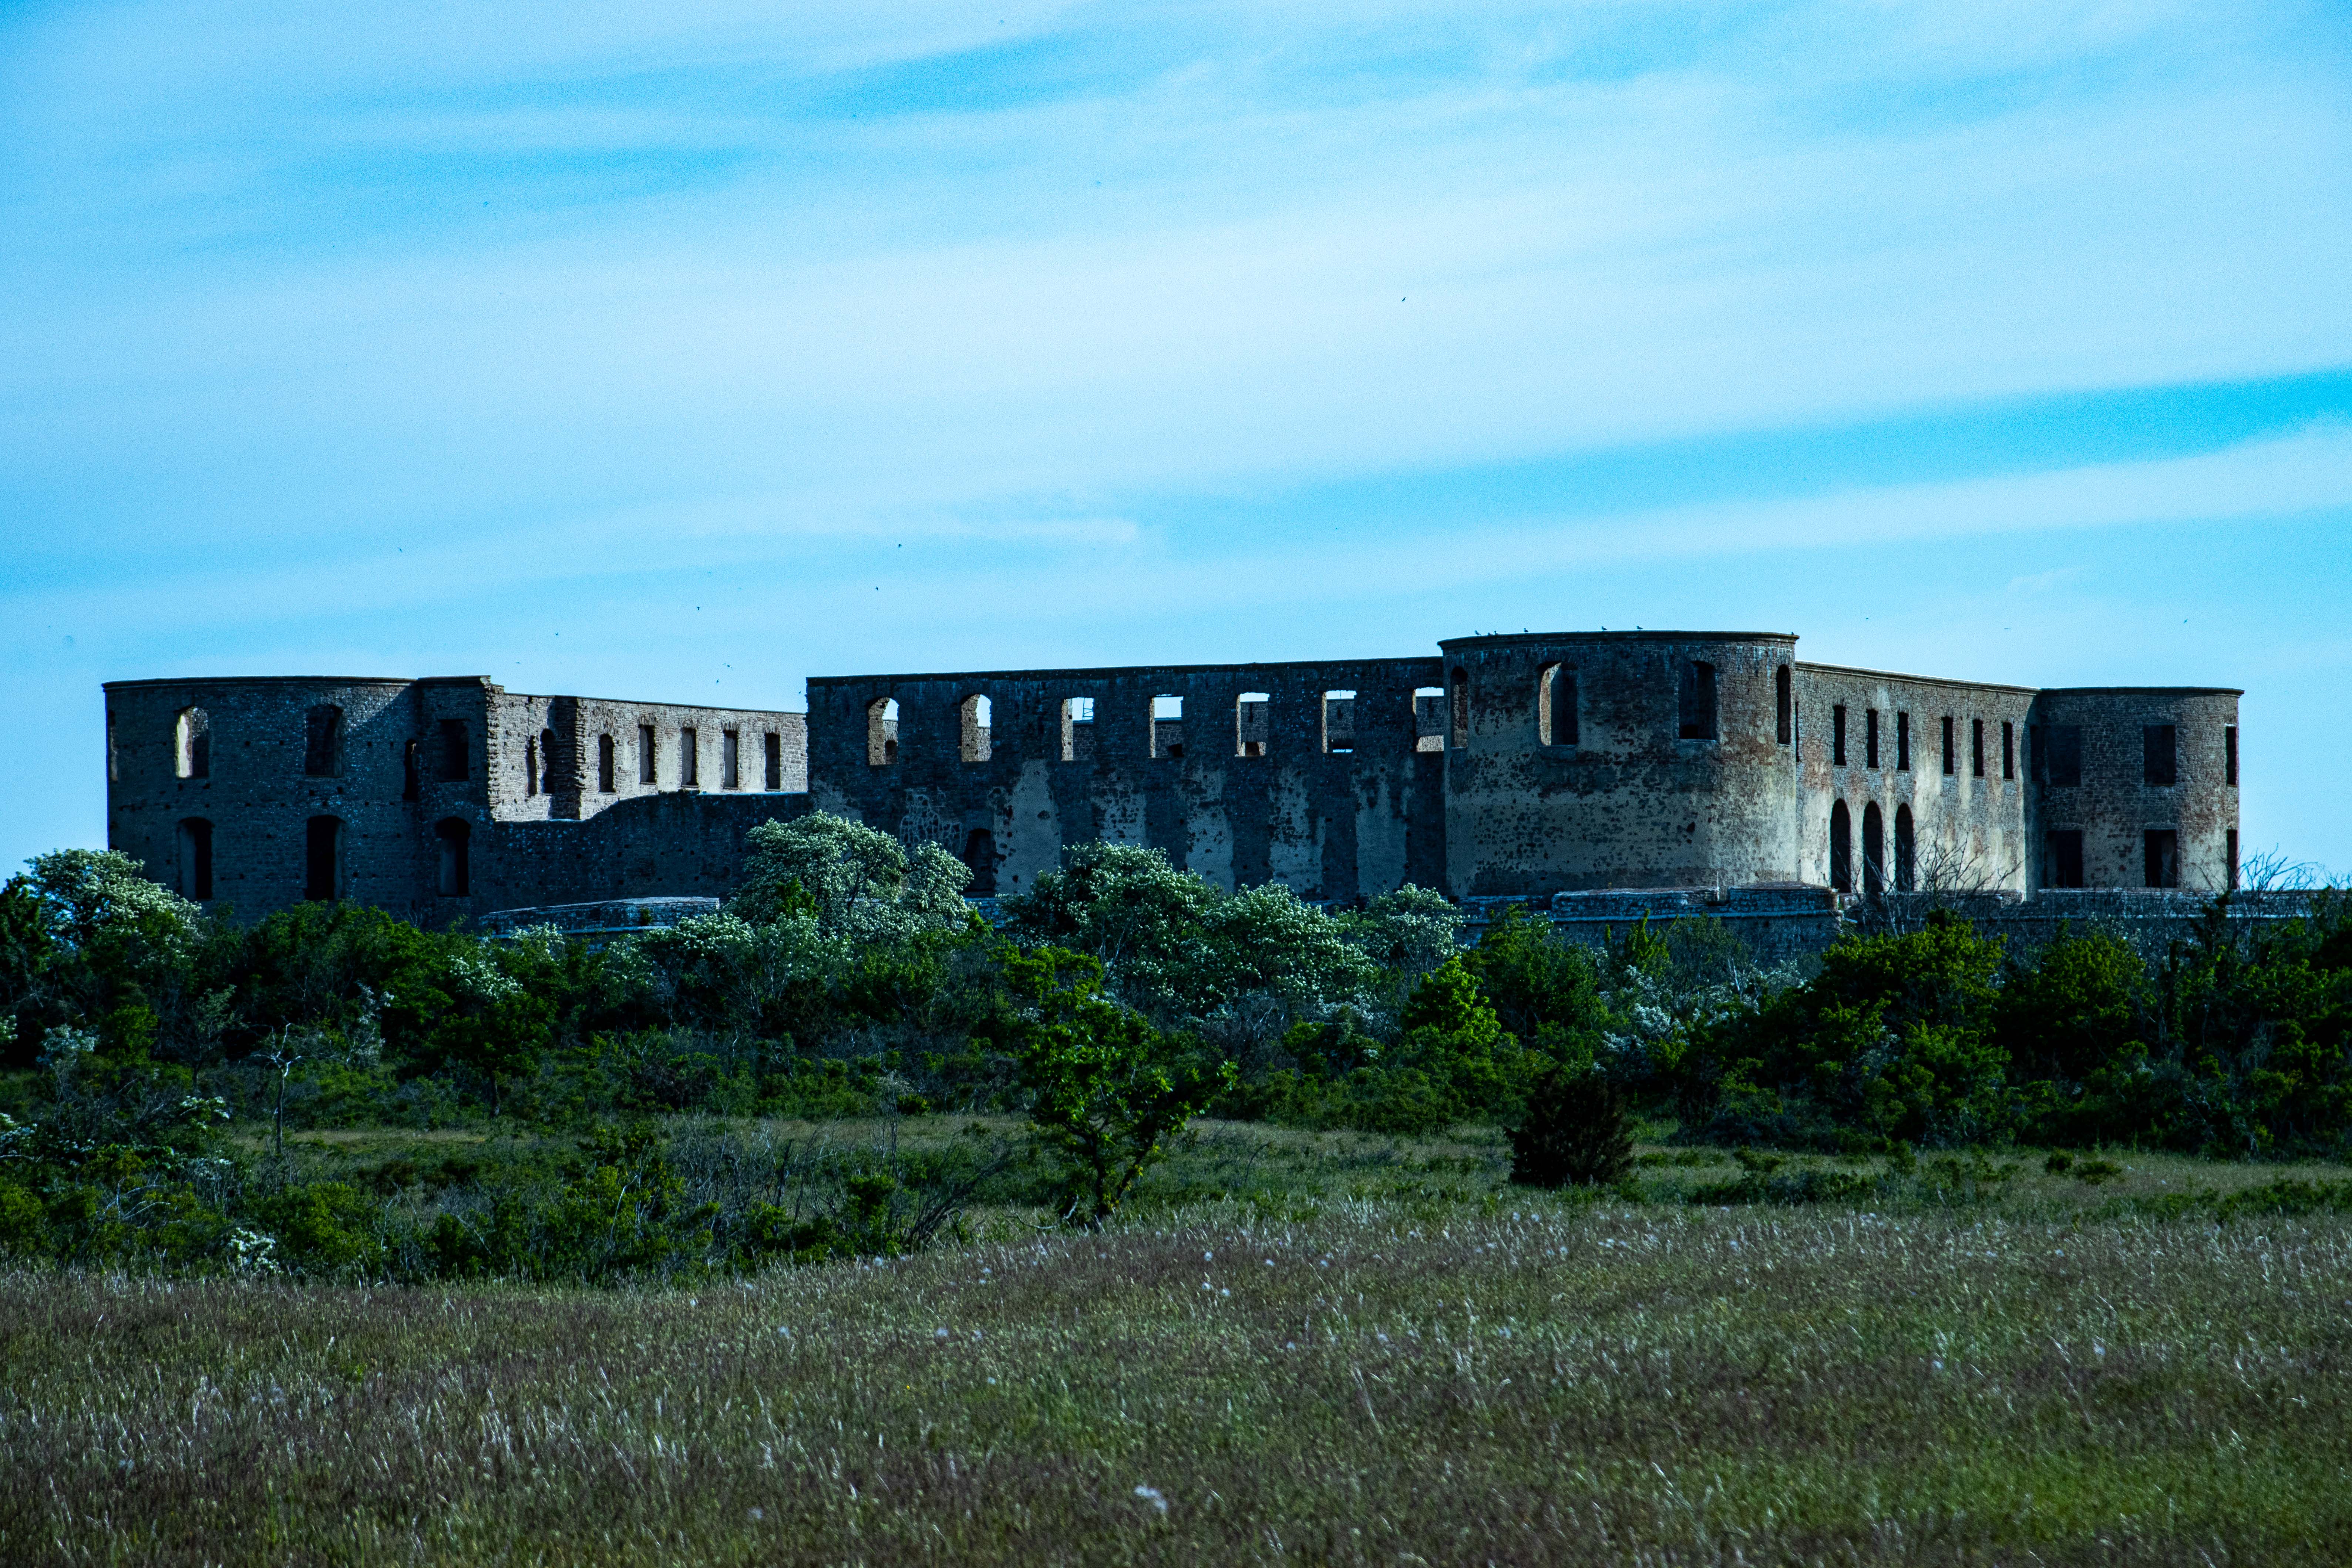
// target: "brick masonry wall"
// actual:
[[2113, 806]]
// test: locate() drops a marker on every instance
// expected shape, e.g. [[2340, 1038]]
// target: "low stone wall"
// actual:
[[606, 917]]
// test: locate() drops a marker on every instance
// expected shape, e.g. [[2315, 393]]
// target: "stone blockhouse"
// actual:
[[1547, 766]]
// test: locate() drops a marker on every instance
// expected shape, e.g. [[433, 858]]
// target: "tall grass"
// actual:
[[1372, 1381]]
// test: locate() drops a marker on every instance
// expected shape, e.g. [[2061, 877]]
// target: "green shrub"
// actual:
[[1577, 1130]]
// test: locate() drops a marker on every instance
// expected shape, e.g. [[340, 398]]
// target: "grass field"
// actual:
[[1365, 1352]]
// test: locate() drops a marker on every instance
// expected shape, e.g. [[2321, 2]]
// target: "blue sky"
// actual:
[[680, 355]]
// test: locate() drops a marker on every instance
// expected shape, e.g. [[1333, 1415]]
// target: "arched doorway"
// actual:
[[1840, 849], [1906, 853], [1874, 850]]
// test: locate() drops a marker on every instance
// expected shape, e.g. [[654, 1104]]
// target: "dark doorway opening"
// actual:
[[322, 852], [979, 853]]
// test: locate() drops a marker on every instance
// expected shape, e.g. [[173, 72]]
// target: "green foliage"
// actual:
[[1577, 1130]]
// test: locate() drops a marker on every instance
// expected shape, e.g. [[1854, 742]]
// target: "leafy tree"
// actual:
[[1578, 1130], [853, 881]]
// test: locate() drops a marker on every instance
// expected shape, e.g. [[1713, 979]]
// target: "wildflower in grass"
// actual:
[[1152, 1495]]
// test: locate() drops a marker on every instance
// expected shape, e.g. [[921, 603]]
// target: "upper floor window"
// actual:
[[1902, 743], [774, 744], [1461, 719], [648, 756], [882, 732], [546, 762], [1837, 734], [192, 744], [690, 759], [1976, 748], [604, 765], [2057, 758], [1556, 705], [2230, 755], [2007, 749], [454, 749], [1340, 721], [1870, 737], [323, 741], [1784, 707], [1698, 702], [530, 767], [1078, 729], [1949, 760], [976, 719], [1167, 726], [195, 845], [2159, 754], [1252, 723], [730, 767], [1429, 718]]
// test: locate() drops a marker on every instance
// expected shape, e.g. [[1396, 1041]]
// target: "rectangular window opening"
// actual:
[[690, 759], [1697, 702], [605, 769], [455, 765], [1784, 707], [1166, 727], [2061, 864], [774, 745], [2230, 755], [1870, 737], [1837, 734], [1340, 721], [1976, 748], [1902, 743], [1429, 718], [323, 741], [1253, 724], [976, 729], [1949, 760], [2009, 748], [2162, 854], [1078, 729], [2230, 847], [197, 860], [730, 771], [2159, 754], [2057, 754]]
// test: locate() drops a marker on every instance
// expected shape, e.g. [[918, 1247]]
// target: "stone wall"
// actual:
[[2094, 771]]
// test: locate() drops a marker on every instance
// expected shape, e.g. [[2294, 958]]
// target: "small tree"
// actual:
[[1579, 1131]]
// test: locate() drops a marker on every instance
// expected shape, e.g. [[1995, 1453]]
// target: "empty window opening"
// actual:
[[648, 755], [456, 837], [2007, 749], [1784, 707], [2230, 848], [1340, 721], [1697, 703], [1903, 742], [2057, 758], [1460, 721], [1556, 705], [730, 760], [606, 768], [979, 853], [1869, 738], [1252, 723], [530, 767], [1429, 718], [323, 842], [1951, 762], [2230, 755], [546, 762], [775, 759], [454, 762], [1167, 727], [192, 744], [977, 718], [196, 858], [1840, 849], [2161, 850], [2061, 857], [1907, 852], [323, 741], [412, 770], [2159, 754], [1837, 734], [1078, 729], [882, 732], [690, 759], [1874, 850], [1976, 748]]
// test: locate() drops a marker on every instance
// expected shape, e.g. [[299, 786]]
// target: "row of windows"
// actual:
[[322, 858], [2061, 865], [1948, 750], [450, 758], [2061, 857], [2058, 755]]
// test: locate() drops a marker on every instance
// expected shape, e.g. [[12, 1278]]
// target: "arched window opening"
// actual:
[[1429, 718], [192, 744], [1556, 705], [412, 769], [648, 755], [1460, 718], [1784, 711], [1078, 729], [1840, 849], [456, 836], [546, 762], [882, 732], [453, 760], [323, 741], [1166, 727], [1340, 721], [1698, 702], [731, 759], [978, 718], [323, 844], [604, 765], [1253, 724], [530, 767], [1906, 853], [197, 860], [1874, 850], [979, 853]]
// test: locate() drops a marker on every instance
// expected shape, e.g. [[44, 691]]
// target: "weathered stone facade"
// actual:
[[1520, 766]]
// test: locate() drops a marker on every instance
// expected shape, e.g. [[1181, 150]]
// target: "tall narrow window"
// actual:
[[1166, 727], [730, 762], [455, 763], [1907, 852], [1556, 705], [1429, 718], [604, 765], [322, 853], [1253, 724], [1784, 707], [1078, 729], [1902, 743], [2230, 755], [775, 748], [690, 759], [2160, 758], [412, 770], [192, 744], [1976, 748], [1840, 849], [1874, 850], [2008, 748], [323, 741], [197, 860], [2161, 850], [1949, 760], [530, 767], [882, 732], [977, 719], [2229, 846], [979, 853], [648, 756], [546, 762], [1837, 734], [2061, 857], [2057, 754], [1340, 721], [1697, 702], [1870, 737], [1460, 721], [455, 837]]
